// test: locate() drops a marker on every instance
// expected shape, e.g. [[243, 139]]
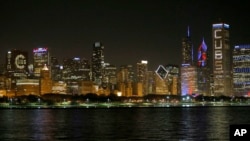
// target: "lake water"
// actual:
[[121, 124]]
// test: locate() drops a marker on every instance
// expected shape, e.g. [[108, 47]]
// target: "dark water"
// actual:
[[143, 124]]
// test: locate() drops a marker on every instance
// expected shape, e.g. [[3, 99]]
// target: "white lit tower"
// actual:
[[97, 63], [222, 64]]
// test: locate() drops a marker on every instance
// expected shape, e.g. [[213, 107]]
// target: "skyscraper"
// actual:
[[241, 70], [187, 49], [97, 63], [222, 76], [188, 69], [203, 75], [142, 69], [41, 58], [17, 61]]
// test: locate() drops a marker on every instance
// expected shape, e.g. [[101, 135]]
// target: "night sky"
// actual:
[[129, 30]]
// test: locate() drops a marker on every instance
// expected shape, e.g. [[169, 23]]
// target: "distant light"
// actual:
[[185, 65], [221, 25], [119, 94], [40, 50], [61, 67], [144, 62], [77, 58], [97, 44], [9, 52]]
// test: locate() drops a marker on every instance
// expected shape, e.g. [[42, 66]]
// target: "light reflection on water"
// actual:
[[194, 123]]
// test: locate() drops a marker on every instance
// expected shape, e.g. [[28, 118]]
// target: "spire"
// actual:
[[188, 33]]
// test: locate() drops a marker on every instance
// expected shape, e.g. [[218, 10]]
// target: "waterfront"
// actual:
[[39, 105], [173, 123]]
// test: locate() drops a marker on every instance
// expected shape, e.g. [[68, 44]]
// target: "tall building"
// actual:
[[16, 67], [55, 70], [187, 49], [203, 76], [45, 81], [97, 63], [173, 78], [41, 58], [188, 69], [222, 66], [109, 77], [142, 69], [241, 70], [17, 61], [161, 81], [125, 80]]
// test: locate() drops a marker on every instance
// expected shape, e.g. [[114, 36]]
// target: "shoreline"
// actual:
[[120, 105]]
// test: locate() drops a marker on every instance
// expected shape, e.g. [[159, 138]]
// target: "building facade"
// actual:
[[40, 58], [203, 75], [188, 69], [241, 70], [222, 65], [97, 63], [142, 69]]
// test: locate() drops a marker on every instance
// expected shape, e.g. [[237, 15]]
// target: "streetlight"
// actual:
[[168, 99]]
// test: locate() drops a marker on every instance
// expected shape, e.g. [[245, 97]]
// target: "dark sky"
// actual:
[[130, 30]]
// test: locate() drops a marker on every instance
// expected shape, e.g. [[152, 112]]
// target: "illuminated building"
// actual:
[[27, 87], [151, 82], [173, 78], [16, 67], [59, 87], [125, 80], [187, 49], [87, 87], [241, 70], [97, 63], [188, 79], [17, 62], [138, 89], [142, 69], [109, 77], [40, 58], [161, 81], [125, 74], [203, 75], [55, 69], [222, 66], [75, 69], [188, 70], [45, 81]]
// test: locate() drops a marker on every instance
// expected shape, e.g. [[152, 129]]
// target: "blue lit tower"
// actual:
[[188, 70], [203, 70], [97, 63], [222, 65]]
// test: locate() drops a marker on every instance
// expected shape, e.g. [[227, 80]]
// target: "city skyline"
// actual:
[[130, 31]]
